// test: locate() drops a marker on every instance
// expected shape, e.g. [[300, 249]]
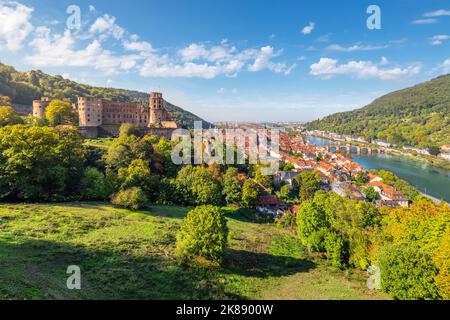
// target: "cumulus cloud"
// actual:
[[356, 47], [200, 60], [106, 26], [60, 50], [327, 68], [309, 28], [439, 39], [15, 25]]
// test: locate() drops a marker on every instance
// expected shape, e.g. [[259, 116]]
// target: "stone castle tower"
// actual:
[[39, 107], [157, 109]]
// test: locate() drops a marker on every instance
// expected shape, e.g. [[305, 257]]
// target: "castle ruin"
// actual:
[[100, 117]]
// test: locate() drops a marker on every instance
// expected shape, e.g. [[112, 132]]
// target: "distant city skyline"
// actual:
[[285, 61]]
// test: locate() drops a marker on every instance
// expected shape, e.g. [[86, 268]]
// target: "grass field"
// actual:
[[130, 255]]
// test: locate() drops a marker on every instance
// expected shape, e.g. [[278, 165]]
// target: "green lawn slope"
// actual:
[[130, 255]]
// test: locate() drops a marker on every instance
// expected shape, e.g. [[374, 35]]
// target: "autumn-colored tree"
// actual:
[[8, 116], [59, 113]]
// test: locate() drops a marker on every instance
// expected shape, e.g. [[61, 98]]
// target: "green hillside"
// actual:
[[24, 87], [131, 255], [418, 116]]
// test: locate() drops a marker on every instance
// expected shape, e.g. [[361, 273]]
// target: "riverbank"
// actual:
[[430, 160], [423, 176]]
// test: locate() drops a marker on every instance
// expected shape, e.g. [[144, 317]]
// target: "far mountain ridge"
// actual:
[[417, 116]]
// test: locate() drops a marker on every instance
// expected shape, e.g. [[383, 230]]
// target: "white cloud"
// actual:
[[213, 54], [425, 21], [106, 26], [15, 25], [438, 13], [234, 91], [444, 67], [326, 68], [200, 60], [439, 39], [221, 90], [263, 60], [59, 50], [309, 28], [92, 8], [139, 46], [356, 47]]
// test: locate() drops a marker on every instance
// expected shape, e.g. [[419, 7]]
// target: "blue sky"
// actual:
[[235, 60]]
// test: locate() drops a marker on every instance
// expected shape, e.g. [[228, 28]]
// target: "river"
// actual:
[[426, 178]]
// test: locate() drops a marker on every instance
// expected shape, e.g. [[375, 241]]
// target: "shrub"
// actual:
[[407, 273], [204, 233], [133, 199]]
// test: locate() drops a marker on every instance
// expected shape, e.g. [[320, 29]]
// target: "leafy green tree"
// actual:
[[370, 193], [121, 153], [232, 187], [312, 225], [264, 180], [39, 163], [204, 233], [133, 199], [8, 116], [361, 178], [59, 113], [407, 273], [94, 185], [250, 194], [309, 183], [197, 186], [336, 249], [286, 192], [127, 129], [138, 174]]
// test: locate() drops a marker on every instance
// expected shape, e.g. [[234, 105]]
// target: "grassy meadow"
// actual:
[[130, 255]]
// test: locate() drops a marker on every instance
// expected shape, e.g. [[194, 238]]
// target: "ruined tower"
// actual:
[[157, 110], [39, 107]]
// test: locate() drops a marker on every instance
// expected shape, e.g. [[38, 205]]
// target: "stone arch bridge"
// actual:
[[359, 150]]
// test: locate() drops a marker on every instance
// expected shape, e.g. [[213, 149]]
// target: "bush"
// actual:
[[204, 233], [133, 199], [407, 273]]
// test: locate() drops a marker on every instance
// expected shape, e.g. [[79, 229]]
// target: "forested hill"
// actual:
[[24, 87], [418, 116]]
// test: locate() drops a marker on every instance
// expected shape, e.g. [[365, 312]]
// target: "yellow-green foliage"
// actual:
[[8, 116], [426, 227], [204, 233]]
